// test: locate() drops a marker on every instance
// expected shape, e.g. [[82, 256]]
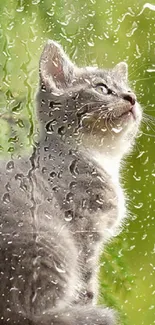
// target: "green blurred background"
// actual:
[[101, 32]]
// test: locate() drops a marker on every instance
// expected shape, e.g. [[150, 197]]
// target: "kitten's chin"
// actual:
[[128, 119], [114, 138], [133, 114], [122, 135]]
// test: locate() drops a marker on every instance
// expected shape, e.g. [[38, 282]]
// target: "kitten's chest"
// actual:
[[91, 201]]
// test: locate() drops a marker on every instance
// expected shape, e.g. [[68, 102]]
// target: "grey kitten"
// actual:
[[63, 203]]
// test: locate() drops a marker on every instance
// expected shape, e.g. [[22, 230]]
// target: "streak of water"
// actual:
[[147, 6]]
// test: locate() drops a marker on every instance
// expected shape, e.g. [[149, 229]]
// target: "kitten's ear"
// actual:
[[121, 69], [56, 70]]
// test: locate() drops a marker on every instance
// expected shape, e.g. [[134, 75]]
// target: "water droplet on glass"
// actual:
[[144, 236], [55, 189], [17, 108], [65, 118], [51, 12], [20, 224], [72, 185], [104, 129], [53, 174], [117, 129], [59, 267], [73, 168], [8, 187], [99, 200], [61, 130], [141, 153], [131, 248], [10, 165], [23, 186], [91, 43], [49, 126], [19, 176], [68, 215], [84, 203], [54, 281], [69, 197], [14, 289], [133, 29], [137, 178], [34, 297], [6, 198], [139, 205], [60, 174], [35, 2], [44, 169], [20, 9]]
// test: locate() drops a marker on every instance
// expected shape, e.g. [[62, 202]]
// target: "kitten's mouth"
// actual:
[[131, 112]]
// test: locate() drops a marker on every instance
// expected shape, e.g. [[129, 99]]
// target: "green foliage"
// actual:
[[114, 277]]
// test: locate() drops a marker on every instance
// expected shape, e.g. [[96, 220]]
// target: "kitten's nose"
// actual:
[[130, 97]]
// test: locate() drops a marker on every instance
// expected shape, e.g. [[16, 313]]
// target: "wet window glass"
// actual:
[[77, 165]]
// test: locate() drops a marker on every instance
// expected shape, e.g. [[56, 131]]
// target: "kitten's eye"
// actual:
[[102, 88]]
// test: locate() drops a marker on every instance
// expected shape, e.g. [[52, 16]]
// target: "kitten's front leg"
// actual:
[[81, 315], [78, 315], [88, 315]]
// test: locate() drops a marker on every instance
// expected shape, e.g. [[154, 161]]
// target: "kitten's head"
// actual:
[[96, 104]]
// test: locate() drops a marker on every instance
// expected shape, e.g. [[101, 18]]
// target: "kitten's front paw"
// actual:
[[96, 316], [108, 317]]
